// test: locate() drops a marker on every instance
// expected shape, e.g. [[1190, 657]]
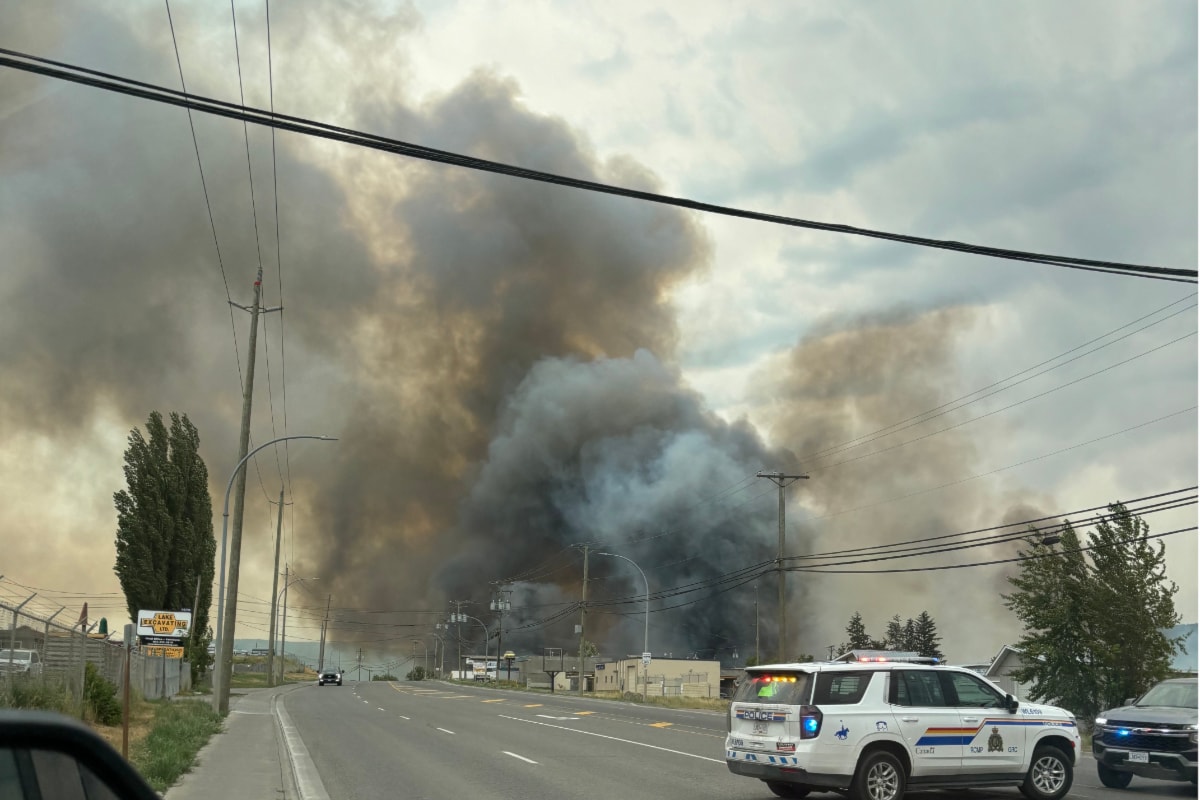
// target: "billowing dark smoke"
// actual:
[[495, 356]]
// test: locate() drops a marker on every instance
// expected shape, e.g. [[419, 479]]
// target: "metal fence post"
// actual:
[[12, 634]]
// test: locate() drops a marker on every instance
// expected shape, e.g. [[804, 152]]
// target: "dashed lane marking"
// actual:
[[523, 758], [494, 701], [443, 730], [583, 713], [533, 705], [661, 724], [614, 738]]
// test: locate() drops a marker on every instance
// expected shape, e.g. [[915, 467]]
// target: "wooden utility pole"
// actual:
[[583, 617], [781, 480], [324, 628], [274, 596], [225, 656]]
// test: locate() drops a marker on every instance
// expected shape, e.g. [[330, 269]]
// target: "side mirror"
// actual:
[[64, 758], [1011, 703]]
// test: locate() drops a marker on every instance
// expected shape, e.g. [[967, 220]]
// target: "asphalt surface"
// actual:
[[433, 741]]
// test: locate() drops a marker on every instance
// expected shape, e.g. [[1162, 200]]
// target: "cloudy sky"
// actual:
[[513, 368]]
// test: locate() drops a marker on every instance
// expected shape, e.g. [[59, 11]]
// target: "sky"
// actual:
[[512, 368]]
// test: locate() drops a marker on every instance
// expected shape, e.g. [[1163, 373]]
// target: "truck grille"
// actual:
[[1159, 743]]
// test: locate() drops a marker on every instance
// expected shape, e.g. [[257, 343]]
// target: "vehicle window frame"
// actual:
[[827, 699], [901, 675], [951, 691]]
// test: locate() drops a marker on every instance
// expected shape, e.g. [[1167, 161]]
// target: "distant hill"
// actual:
[[1185, 661]]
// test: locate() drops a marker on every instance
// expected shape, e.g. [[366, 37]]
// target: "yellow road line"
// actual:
[[661, 724], [494, 701], [584, 713], [533, 705]]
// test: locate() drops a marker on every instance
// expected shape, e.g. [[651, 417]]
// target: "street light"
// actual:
[[220, 673], [283, 626], [646, 638], [486, 643], [441, 643]]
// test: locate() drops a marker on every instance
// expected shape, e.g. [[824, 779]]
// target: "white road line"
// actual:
[[404, 717], [443, 730], [379, 708], [614, 738], [523, 758]]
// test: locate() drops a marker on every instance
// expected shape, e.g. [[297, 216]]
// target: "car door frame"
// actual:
[[932, 734], [999, 745]]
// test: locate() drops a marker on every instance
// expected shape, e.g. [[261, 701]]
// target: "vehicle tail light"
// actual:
[[810, 722]]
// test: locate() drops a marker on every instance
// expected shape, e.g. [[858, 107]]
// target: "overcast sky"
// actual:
[[514, 368]]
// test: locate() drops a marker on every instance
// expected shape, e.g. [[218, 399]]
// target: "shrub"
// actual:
[[416, 674], [101, 697], [387, 676]]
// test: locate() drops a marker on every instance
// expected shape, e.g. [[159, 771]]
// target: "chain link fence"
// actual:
[[40, 647]]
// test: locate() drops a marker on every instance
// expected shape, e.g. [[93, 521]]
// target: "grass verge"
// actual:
[[177, 733], [704, 703], [48, 694]]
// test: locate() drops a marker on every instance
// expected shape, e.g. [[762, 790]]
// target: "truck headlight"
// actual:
[[1101, 720]]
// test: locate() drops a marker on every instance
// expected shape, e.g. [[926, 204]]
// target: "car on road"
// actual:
[[879, 725], [20, 662], [329, 676], [1153, 736]]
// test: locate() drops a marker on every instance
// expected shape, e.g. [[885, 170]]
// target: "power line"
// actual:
[[207, 203], [954, 405], [127, 86]]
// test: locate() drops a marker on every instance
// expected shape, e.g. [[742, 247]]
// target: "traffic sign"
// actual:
[[646, 659]]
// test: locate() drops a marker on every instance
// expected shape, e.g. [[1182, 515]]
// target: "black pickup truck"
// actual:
[[1153, 736]]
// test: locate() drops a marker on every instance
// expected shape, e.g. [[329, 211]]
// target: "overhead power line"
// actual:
[[115, 83]]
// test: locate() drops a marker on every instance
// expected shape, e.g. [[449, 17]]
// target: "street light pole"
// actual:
[[486, 643], [283, 626], [224, 648], [646, 636]]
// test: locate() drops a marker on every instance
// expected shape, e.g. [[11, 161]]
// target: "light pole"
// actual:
[[646, 638], [486, 644], [418, 641], [283, 626], [439, 647], [225, 659]]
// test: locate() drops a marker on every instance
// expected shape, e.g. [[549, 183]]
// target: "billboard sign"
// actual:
[[163, 629]]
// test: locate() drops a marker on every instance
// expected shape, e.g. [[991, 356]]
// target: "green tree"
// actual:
[[925, 637], [893, 636], [164, 538], [589, 648], [1093, 629], [856, 633]]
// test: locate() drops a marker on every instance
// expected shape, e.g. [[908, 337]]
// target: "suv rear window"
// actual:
[[789, 688], [840, 688]]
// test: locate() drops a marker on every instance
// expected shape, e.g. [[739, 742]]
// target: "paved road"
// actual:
[[432, 741]]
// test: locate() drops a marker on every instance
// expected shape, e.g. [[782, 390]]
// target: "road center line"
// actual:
[[613, 738], [443, 730], [404, 717], [379, 708], [523, 758]]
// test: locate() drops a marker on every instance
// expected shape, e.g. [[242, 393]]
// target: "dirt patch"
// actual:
[[141, 715]]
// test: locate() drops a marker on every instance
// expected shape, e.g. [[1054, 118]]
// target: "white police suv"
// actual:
[[876, 724]]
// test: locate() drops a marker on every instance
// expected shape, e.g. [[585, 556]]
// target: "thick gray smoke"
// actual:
[[495, 356]]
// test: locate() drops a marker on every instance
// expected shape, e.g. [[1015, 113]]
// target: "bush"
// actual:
[[416, 674], [101, 697], [387, 676]]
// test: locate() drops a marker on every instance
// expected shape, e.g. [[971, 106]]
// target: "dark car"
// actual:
[[1152, 737], [329, 676]]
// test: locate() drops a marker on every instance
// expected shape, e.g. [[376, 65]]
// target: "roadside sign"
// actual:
[[171, 624], [646, 659], [169, 652]]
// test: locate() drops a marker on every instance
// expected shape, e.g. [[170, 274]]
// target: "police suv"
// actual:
[[876, 724]]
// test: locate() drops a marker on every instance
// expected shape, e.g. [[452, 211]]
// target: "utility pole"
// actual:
[[239, 504], [359, 672], [324, 628], [781, 480], [583, 617], [283, 626], [500, 604], [757, 655], [458, 618], [274, 596]]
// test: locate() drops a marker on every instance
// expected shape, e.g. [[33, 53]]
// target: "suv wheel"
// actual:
[[1113, 779], [1049, 776], [787, 789], [880, 776]]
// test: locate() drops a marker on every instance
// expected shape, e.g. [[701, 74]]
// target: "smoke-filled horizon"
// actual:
[[499, 360]]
